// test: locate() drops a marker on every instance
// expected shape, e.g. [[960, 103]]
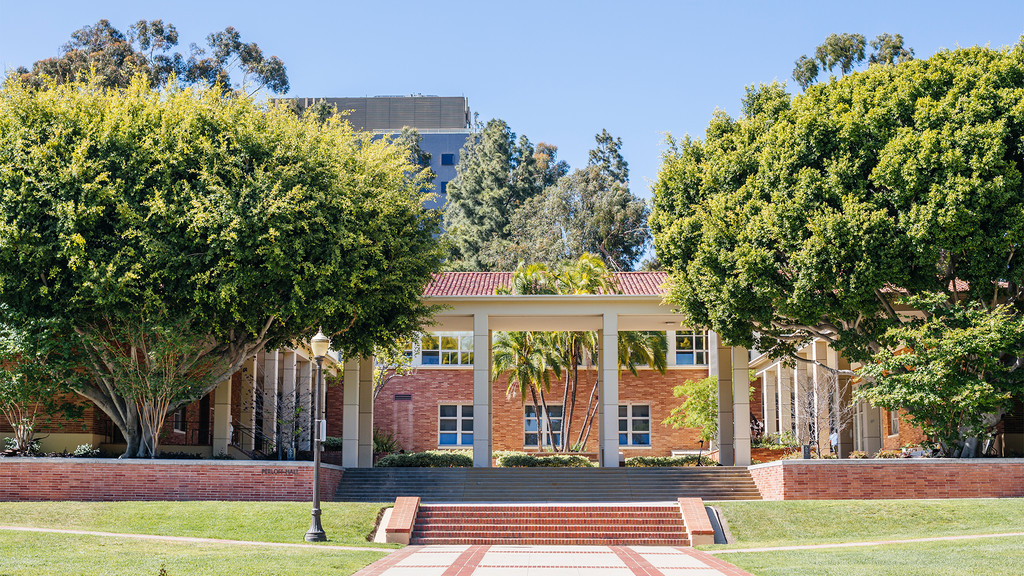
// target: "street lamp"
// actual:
[[319, 344]]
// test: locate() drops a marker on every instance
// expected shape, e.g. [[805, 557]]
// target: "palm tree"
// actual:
[[527, 358]]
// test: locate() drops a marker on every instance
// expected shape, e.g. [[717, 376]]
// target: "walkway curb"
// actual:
[[860, 544]]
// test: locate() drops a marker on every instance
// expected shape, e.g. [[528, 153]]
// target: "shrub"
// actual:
[[332, 444], [783, 441], [660, 461], [429, 459], [858, 455], [385, 442], [85, 451], [523, 460], [889, 454]]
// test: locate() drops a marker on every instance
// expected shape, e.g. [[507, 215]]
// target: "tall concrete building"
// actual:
[[442, 121]]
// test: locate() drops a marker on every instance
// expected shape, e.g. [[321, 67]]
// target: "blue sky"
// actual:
[[556, 71]]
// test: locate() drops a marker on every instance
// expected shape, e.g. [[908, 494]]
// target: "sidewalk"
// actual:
[[508, 560]]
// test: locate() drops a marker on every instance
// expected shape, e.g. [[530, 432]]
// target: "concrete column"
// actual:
[[350, 414], [785, 375], [822, 397], [366, 412], [769, 383], [741, 405], [289, 402], [720, 366], [609, 392], [222, 418], [248, 405], [304, 392], [670, 337], [271, 383], [481, 392], [872, 428]]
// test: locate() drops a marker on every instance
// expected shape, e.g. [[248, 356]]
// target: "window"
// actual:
[[635, 425], [894, 422], [443, 189], [691, 348], [179, 420], [455, 425], [446, 349], [447, 159], [536, 429]]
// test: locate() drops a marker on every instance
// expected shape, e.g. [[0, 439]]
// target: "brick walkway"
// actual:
[[550, 561]]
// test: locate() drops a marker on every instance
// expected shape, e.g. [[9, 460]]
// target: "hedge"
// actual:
[[429, 459], [657, 461], [523, 460]]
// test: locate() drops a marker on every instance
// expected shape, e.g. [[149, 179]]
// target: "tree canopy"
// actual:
[[249, 225], [811, 216], [116, 58], [846, 51]]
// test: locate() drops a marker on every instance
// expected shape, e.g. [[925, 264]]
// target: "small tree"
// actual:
[[391, 362], [822, 405], [957, 366], [699, 408]]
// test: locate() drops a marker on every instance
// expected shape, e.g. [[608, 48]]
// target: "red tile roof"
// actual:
[[486, 283]]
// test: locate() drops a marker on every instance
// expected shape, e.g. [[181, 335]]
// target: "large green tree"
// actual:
[[846, 51], [496, 174], [117, 57], [243, 223], [808, 217]]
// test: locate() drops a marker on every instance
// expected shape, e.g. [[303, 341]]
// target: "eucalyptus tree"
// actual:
[[132, 215]]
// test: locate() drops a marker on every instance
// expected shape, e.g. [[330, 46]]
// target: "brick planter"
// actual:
[[107, 479], [900, 478]]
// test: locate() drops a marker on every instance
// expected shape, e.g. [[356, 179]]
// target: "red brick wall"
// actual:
[[874, 479], [415, 421], [906, 434], [88, 423], [89, 479]]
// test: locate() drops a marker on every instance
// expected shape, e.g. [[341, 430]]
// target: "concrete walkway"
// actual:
[[859, 544], [507, 560]]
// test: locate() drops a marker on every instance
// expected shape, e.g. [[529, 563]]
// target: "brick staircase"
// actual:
[[522, 485], [554, 524]]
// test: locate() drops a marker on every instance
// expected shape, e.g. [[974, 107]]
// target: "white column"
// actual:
[[366, 412], [289, 382], [721, 367], [248, 405], [768, 389], [785, 375], [305, 395], [609, 392], [670, 336], [481, 392], [222, 418], [741, 405], [271, 382], [872, 429], [350, 414]]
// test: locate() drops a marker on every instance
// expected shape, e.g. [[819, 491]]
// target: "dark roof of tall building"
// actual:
[[487, 283], [392, 113]]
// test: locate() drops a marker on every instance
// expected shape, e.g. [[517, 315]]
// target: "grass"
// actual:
[[30, 554], [346, 523], [757, 524], [989, 556]]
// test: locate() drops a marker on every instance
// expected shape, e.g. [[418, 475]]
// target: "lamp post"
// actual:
[[319, 344]]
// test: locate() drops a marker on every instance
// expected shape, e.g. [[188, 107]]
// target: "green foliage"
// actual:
[[798, 220], [858, 455], [428, 459], [332, 444], [699, 409], [664, 461], [385, 442], [784, 441], [253, 225], [117, 59], [85, 451], [889, 454], [847, 51], [958, 367], [523, 460]]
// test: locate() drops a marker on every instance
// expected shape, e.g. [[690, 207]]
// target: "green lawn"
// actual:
[[982, 557], [31, 554], [756, 524], [345, 523]]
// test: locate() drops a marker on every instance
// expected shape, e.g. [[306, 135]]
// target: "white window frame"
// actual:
[[629, 418], [675, 350], [178, 420], [894, 422], [542, 425], [460, 418], [462, 353]]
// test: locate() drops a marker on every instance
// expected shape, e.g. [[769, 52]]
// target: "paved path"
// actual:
[[872, 543], [510, 560], [196, 540]]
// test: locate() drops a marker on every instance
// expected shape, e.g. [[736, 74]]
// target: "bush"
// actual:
[[523, 460], [385, 442], [332, 444], [889, 454], [858, 455], [784, 441], [429, 459], [85, 451], [664, 461]]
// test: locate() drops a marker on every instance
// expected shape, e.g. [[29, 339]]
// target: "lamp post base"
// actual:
[[316, 531]]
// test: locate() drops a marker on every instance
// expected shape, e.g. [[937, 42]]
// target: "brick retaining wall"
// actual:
[[105, 479], [899, 478]]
